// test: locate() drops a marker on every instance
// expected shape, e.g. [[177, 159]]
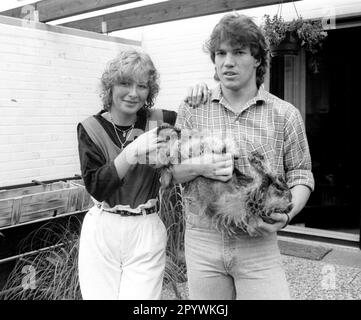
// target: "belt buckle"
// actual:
[[123, 213], [144, 211]]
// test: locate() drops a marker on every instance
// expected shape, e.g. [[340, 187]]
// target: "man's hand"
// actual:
[[300, 195], [215, 166], [197, 94], [259, 227]]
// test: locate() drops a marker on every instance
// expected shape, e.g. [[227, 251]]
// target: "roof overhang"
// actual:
[[50, 10]]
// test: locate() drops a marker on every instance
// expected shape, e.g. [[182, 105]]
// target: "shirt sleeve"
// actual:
[[169, 116], [297, 158], [184, 117], [100, 178]]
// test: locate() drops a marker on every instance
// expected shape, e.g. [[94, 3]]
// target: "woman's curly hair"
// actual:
[[129, 65], [240, 30]]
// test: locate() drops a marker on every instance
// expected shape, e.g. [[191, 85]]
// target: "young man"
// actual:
[[249, 265]]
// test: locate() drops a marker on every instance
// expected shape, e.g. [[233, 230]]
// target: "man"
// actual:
[[247, 266]]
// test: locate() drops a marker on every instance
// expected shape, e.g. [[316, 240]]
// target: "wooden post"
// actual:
[[104, 27], [16, 211]]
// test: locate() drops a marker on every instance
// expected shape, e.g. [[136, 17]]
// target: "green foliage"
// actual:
[[310, 33]]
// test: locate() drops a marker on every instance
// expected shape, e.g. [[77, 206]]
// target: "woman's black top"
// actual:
[[101, 180]]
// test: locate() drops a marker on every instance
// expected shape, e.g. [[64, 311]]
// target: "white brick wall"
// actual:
[[48, 83], [178, 54]]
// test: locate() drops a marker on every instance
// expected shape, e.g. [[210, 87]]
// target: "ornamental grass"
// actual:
[[47, 266]]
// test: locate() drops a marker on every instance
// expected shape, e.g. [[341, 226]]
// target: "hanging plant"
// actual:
[[286, 37]]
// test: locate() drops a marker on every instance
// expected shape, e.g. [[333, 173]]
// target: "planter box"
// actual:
[[37, 202], [85, 201]]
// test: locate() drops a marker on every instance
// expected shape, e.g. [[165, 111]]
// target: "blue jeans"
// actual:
[[220, 267]]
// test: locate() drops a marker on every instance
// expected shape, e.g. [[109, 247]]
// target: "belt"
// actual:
[[125, 213]]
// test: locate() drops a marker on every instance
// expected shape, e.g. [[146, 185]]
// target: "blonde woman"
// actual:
[[123, 240]]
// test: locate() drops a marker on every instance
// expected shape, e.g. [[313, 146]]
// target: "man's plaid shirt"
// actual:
[[265, 123]]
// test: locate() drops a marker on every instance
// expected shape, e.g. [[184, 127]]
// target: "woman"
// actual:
[[122, 242]]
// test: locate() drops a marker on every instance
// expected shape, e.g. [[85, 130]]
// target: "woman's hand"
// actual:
[[143, 150], [143, 147], [197, 94]]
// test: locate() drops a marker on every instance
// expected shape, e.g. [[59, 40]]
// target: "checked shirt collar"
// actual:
[[260, 98]]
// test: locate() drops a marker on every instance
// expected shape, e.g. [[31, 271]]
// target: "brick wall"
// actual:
[[48, 83], [176, 49]]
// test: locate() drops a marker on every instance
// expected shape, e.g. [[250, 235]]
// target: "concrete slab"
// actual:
[[344, 257]]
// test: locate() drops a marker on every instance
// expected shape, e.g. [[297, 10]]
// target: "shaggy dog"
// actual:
[[233, 205]]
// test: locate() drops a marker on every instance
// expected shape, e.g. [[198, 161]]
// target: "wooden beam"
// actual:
[[57, 9], [162, 12]]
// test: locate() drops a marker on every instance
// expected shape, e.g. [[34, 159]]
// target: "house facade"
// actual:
[[46, 69], [327, 98]]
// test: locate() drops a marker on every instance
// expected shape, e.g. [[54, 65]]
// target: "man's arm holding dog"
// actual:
[[213, 166], [300, 195], [216, 166], [298, 172]]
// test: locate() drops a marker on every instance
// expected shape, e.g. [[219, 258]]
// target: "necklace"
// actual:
[[124, 132]]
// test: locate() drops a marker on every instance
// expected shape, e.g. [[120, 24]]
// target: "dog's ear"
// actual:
[[242, 179], [281, 183]]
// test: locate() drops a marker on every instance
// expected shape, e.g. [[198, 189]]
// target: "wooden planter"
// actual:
[[288, 46], [37, 202], [85, 201]]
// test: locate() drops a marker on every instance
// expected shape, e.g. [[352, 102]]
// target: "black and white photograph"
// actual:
[[180, 155]]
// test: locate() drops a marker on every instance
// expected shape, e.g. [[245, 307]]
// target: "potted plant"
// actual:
[[287, 37]]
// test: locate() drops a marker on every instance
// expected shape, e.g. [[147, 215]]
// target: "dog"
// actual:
[[233, 205]]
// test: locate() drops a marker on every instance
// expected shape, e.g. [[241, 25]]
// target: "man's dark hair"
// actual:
[[239, 29]]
